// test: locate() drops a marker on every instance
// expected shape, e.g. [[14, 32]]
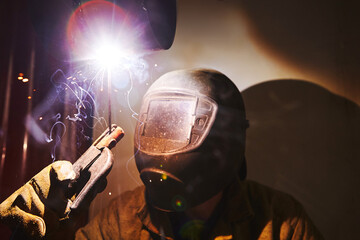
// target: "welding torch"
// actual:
[[62, 188], [92, 167]]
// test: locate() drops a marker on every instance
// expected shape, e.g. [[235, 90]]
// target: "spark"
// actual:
[[21, 76]]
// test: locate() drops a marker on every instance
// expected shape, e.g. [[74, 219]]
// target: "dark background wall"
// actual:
[[304, 140], [297, 64]]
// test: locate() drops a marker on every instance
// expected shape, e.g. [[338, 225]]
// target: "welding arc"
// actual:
[[109, 97]]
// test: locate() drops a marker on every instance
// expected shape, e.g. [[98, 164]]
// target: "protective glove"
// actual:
[[39, 205]]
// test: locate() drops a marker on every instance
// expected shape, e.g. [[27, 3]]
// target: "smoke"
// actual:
[[75, 98]]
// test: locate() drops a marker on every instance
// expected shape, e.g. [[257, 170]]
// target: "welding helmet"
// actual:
[[190, 138]]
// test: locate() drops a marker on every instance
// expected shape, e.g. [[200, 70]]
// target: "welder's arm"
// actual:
[[54, 197], [36, 207]]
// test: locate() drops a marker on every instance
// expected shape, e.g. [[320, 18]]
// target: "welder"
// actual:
[[190, 152]]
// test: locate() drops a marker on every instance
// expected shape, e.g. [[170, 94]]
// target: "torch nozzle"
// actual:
[[109, 138]]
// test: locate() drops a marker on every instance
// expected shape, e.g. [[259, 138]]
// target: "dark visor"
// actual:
[[171, 123]]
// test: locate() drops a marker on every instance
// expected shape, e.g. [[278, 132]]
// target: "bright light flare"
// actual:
[[110, 56], [101, 31]]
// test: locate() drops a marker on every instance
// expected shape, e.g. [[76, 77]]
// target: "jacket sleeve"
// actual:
[[104, 226], [119, 220], [305, 229]]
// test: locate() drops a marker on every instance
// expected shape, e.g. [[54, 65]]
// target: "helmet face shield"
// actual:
[[190, 138], [173, 122]]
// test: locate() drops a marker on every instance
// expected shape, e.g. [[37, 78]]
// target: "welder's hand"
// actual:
[[37, 207]]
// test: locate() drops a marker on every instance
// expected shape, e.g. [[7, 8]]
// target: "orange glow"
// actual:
[[178, 203], [29, 97], [105, 19], [20, 78], [21, 74]]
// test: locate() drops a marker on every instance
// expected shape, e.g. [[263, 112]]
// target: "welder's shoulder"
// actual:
[[277, 211], [133, 199], [271, 201], [118, 220]]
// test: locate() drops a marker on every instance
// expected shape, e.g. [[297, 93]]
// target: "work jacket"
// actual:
[[251, 211]]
